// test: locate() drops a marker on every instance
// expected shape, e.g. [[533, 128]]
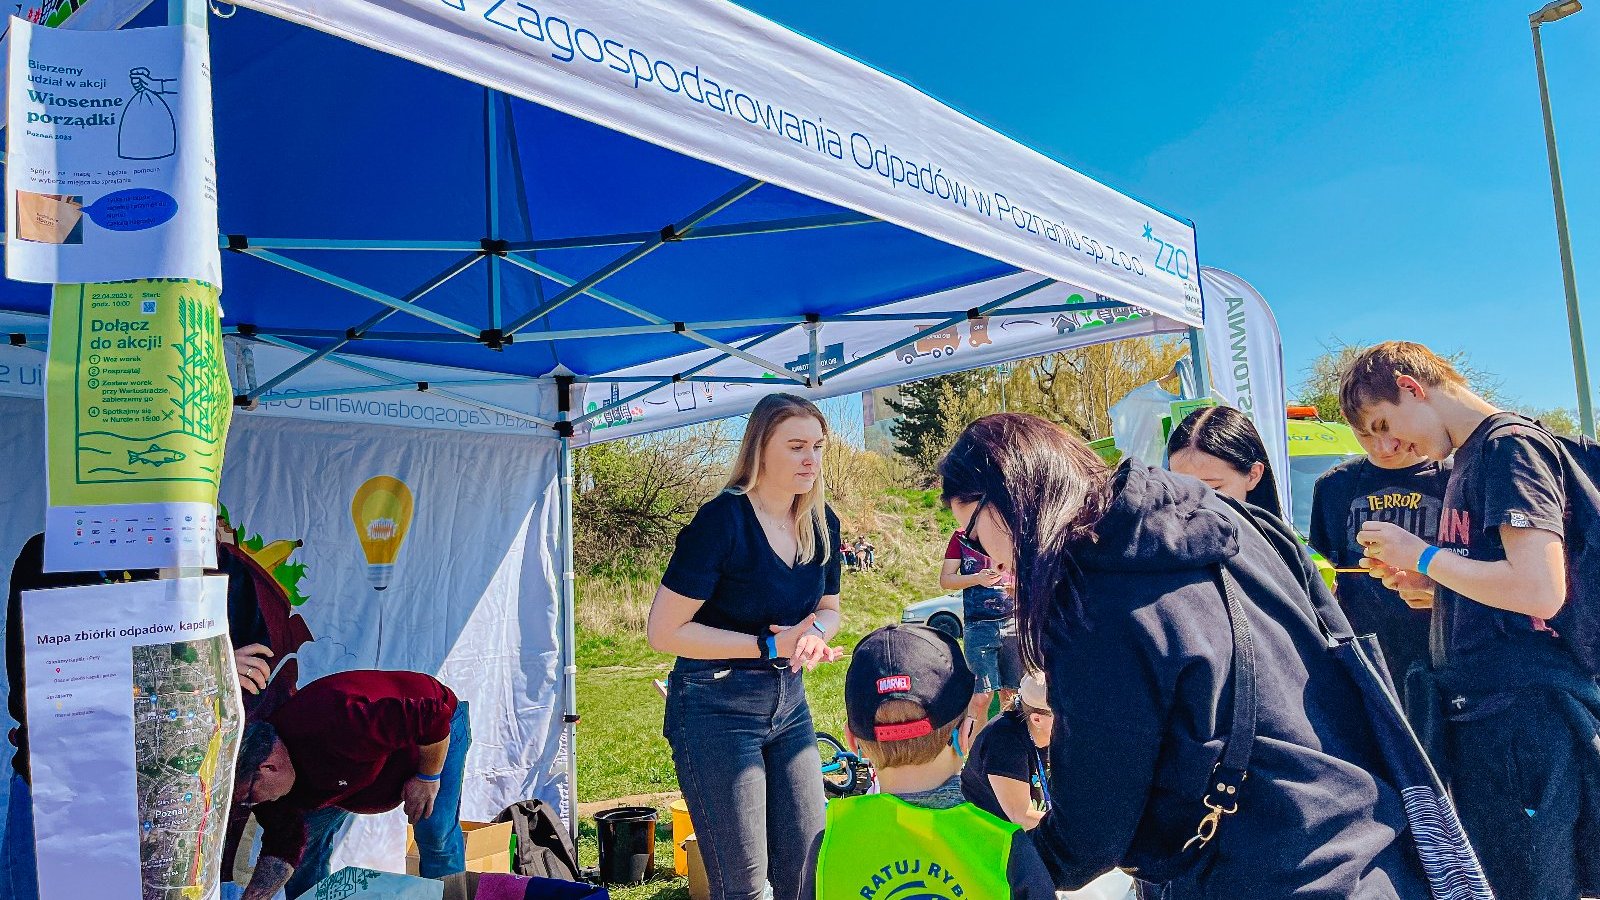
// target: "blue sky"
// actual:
[[1375, 170]]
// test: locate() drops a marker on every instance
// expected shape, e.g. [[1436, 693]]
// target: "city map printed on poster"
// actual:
[[185, 752], [134, 719]]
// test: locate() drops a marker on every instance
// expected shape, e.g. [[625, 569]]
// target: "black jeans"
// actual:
[[746, 755], [1517, 777]]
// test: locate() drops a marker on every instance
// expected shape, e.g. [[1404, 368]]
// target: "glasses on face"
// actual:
[[250, 792], [969, 537]]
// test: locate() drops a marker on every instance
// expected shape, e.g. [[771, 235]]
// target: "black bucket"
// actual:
[[627, 837]]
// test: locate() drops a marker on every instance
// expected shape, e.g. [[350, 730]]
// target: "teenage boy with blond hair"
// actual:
[[1522, 713], [905, 692]]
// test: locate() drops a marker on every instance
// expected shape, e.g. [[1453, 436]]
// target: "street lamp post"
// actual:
[[1551, 12]]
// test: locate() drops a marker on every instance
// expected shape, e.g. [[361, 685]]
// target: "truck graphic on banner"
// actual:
[[940, 344], [829, 358]]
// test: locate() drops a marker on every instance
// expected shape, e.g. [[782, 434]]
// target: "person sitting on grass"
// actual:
[[905, 692]]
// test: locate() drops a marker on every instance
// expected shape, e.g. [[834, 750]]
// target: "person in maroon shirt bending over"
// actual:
[[354, 742]]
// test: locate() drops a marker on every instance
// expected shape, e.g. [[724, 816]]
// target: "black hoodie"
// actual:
[[1143, 693]]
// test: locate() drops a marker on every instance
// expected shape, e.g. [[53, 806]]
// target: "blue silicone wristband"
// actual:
[[1425, 559], [771, 642], [421, 777]]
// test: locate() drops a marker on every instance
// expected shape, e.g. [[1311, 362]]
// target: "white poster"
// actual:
[[1245, 356], [111, 171], [134, 720]]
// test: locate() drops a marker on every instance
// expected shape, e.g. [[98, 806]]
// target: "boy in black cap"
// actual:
[[907, 688]]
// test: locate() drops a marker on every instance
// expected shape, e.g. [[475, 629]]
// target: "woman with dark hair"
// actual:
[[1120, 600], [1221, 446]]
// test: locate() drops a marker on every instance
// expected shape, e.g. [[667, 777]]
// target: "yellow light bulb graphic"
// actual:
[[381, 511]]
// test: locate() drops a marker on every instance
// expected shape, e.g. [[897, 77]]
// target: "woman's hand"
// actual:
[[804, 646], [252, 667]]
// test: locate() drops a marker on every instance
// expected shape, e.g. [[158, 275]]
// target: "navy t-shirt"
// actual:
[[1348, 496], [1512, 477], [724, 559]]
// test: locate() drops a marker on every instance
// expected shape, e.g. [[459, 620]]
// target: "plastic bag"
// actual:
[[1136, 423]]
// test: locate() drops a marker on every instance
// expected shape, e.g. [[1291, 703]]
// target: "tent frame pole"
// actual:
[[361, 330], [1197, 358], [663, 382], [671, 233], [568, 588], [399, 383], [975, 313], [580, 242], [491, 168], [361, 290]]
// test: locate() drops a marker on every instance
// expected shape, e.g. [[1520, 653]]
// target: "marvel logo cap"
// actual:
[[906, 662]]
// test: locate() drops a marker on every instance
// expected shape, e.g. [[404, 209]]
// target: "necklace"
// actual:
[[778, 523]]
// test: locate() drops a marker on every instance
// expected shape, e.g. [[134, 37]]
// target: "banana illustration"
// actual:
[[275, 554]]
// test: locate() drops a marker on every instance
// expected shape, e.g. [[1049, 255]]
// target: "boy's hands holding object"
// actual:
[[1386, 549]]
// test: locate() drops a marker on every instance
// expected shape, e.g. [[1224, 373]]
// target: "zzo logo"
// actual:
[[1170, 258]]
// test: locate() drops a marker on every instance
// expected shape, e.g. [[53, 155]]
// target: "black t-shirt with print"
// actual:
[[1510, 477], [724, 559], [1005, 748], [1348, 496]]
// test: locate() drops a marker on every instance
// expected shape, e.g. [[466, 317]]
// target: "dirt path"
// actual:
[[587, 810]]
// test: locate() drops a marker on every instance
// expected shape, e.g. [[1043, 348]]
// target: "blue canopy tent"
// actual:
[[601, 218]]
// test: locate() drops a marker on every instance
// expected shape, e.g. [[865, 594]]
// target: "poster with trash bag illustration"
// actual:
[[137, 407], [112, 171]]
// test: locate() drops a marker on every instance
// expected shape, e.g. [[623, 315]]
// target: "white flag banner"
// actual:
[[111, 171], [1245, 355]]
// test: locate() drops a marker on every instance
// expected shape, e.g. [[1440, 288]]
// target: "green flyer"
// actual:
[[137, 394]]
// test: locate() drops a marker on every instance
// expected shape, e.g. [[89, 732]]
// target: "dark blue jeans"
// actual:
[[441, 847], [746, 754], [19, 873]]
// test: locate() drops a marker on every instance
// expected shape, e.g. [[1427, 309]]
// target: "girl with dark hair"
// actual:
[[1220, 446], [1120, 601]]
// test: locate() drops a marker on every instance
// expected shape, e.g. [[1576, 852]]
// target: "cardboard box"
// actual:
[[699, 888], [365, 884], [488, 847]]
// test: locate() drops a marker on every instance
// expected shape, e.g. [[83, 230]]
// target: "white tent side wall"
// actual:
[[473, 597]]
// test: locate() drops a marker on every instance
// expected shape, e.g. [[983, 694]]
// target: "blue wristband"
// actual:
[[421, 777], [1425, 559], [770, 641]]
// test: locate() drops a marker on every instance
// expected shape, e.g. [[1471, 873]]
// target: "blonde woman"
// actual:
[[748, 603]]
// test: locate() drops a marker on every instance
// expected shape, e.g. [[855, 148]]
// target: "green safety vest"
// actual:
[[880, 847]]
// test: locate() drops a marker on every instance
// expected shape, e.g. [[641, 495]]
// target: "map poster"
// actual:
[[137, 406], [134, 719], [111, 168]]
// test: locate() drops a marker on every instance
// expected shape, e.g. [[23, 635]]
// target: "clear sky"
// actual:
[[1376, 170]]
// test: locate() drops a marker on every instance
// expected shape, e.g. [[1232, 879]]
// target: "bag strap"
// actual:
[[1227, 777]]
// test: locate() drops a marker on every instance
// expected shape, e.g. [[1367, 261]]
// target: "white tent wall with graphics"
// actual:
[[463, 238]]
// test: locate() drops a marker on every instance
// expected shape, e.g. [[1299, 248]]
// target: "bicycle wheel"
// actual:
[[839, 769]]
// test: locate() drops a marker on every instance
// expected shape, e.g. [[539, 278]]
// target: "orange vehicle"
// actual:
[[939, 344]]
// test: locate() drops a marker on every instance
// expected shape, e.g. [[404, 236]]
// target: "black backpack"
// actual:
[[1578, 622], [544, 848]]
